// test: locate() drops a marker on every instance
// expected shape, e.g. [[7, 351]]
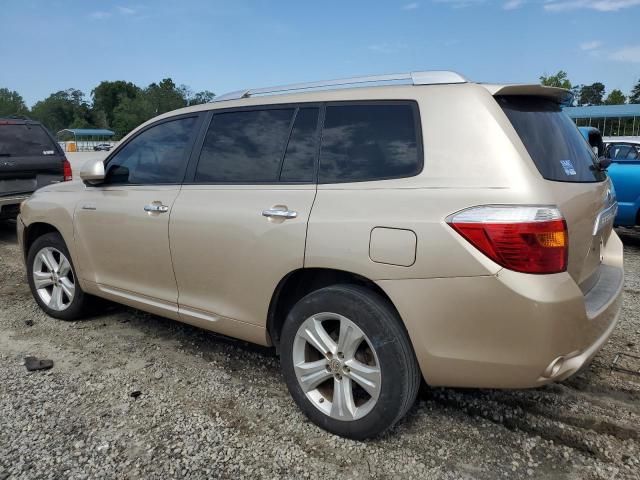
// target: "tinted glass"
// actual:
[[157, 155], [623, 152], [552, 139], [369, 142], [25, 141], [299, 161], [244, 147]]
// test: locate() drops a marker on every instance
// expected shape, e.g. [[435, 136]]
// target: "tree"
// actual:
[[108, 95], [615, 97], [575, 91], [130, 113], [560, 80], [11, 103], [635, 94], [165, 96], [198, 98], [591, 94], [63, 109]]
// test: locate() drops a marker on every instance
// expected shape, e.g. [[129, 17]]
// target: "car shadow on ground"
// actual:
[[8, 231], [629, 236]]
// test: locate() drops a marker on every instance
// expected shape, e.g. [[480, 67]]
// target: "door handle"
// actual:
[[156, 208], [279, 213]]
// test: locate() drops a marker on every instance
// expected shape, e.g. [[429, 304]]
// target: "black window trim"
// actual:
[[186, 156], [195, 160], [417, 126]]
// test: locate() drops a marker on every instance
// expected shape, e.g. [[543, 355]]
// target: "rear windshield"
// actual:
[[25, 141], [553, 141]]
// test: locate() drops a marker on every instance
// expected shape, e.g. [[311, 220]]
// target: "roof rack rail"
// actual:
[[433, 77]]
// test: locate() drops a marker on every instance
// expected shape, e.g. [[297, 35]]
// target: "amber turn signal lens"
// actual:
[[552, 239]]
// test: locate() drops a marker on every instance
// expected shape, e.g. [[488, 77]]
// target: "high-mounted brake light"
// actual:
[[529, 239], [66, 170]]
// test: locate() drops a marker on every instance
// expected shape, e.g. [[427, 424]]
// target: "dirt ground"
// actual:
[[210, 407]]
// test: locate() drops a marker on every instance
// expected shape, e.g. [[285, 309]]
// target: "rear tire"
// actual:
[[368, 377], [53, 280]]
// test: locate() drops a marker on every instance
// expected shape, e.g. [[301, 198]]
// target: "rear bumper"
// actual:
[[13, 199], [9, 205], [510, 330]]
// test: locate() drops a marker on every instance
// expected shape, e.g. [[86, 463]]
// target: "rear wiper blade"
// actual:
[[5, 154]]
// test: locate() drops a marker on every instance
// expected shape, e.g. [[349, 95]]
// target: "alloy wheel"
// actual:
[[336, 366], [53, 278]]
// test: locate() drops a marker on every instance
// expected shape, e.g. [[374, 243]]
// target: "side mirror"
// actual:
[[92, 172], [603, 163]]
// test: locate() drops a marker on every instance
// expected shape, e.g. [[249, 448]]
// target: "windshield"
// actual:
[[552, 139], [25, 141]]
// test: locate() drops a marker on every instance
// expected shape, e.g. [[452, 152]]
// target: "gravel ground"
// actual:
[[211, 407]]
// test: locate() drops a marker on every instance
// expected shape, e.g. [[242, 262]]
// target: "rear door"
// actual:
[[239, 225], [29, 158], [581, 191]]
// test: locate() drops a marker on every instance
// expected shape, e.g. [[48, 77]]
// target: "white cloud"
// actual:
[[99, 15], [589, 46], [460, 3], [513, 4], [630, 54], [410, 6], [126, 10], [599, 5]]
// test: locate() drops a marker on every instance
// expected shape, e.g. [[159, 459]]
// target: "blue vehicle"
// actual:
[[624, 175], [623, 156], [624, 172]]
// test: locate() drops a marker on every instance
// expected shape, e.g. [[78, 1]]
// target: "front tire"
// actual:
[[53, 280], [348, 361]]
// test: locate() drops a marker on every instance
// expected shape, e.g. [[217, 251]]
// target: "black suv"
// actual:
[[30, 158]]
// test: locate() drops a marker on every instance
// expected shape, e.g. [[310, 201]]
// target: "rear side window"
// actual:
[[245, 146], [553, 141], [155, 156], [25, 141], [363, 142]]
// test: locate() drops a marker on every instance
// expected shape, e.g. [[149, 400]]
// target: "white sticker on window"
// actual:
[[48, 152], [568, 167]]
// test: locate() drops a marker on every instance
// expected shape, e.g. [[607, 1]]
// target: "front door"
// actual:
[[122, 226], [240, 225]]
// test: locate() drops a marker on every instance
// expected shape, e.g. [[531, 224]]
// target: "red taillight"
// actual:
[[66, 170], [526, 239]]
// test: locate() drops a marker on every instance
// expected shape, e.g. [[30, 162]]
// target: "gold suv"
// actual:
[[419, 226]]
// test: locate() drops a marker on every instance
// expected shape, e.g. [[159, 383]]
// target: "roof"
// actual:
[[88, 132], [604, 111]]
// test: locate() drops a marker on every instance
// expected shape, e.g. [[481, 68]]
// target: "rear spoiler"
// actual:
[[558, 95]]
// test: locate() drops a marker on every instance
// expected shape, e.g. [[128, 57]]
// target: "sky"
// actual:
[[222, 46]]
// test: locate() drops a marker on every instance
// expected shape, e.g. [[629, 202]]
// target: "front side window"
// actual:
[[244, 146], [369, 142], [155, 156]]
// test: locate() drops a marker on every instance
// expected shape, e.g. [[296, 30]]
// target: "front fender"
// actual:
[[53, 209]]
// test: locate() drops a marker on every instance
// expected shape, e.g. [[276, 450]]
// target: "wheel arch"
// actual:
[[34, 231], [298, 283]]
